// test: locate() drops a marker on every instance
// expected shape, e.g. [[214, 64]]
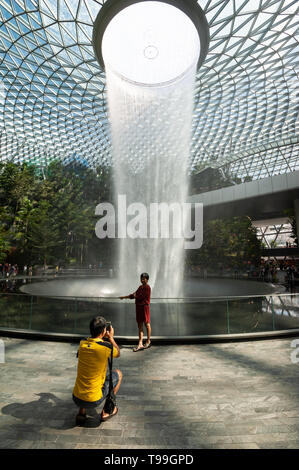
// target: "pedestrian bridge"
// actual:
[[265, 198]]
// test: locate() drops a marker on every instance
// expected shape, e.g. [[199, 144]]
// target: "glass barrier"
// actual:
[[171, 317]]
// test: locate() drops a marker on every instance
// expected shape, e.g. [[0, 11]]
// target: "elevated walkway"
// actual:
[[285, 252], [264, 198]]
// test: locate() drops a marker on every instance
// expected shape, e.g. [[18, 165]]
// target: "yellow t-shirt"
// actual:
[[92, 368]]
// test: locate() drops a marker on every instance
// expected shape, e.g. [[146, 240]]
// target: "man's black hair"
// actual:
[[144, 275], [97, 326]]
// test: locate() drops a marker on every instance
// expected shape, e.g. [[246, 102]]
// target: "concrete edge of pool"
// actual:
[[156, 340]]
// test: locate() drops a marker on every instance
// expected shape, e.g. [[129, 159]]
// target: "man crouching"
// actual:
[[92, 382]]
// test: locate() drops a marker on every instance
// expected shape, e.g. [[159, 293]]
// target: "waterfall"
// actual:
[[150, 114]]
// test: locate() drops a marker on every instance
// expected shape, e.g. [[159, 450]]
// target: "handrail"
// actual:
[[227, 297]]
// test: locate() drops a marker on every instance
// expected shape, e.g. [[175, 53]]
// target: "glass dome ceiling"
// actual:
[[53, 97]]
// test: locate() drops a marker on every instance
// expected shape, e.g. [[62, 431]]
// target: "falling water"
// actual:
[[151, 131]]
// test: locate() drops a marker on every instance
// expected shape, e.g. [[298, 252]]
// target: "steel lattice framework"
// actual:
[[53, 98]]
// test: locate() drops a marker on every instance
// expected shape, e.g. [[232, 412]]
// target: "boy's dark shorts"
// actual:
[[105, 390]]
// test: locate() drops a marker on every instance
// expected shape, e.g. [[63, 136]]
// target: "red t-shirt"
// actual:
[[142, 301]]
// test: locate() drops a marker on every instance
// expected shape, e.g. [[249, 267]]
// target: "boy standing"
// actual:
[[142, 300]]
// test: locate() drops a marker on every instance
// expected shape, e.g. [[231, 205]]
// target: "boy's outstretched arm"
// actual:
[[130, 296]]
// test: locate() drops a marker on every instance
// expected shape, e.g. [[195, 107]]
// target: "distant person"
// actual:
[[92, 382], [11, 270], [142, 298]]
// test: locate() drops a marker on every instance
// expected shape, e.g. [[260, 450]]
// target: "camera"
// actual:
[[108, 328]]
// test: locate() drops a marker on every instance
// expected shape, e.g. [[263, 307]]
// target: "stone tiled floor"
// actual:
[[225, 395]]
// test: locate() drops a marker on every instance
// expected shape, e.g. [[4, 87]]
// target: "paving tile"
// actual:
[[228, 395], [8, 443]]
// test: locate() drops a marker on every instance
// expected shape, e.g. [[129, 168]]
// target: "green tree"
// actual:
[[16, 182], [5, 245], [70, 210], [227, 243], [17, 187], [290, 213], [43, 236], [51, 216]]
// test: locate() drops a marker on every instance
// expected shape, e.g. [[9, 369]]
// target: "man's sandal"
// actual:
[[138, 348], [147, 345], [110, 416]]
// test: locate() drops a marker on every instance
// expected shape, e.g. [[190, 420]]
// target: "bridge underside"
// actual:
[[260, 207]]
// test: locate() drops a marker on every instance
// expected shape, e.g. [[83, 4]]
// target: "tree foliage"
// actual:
[[290, 213], [227, 244], [49, 218]]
